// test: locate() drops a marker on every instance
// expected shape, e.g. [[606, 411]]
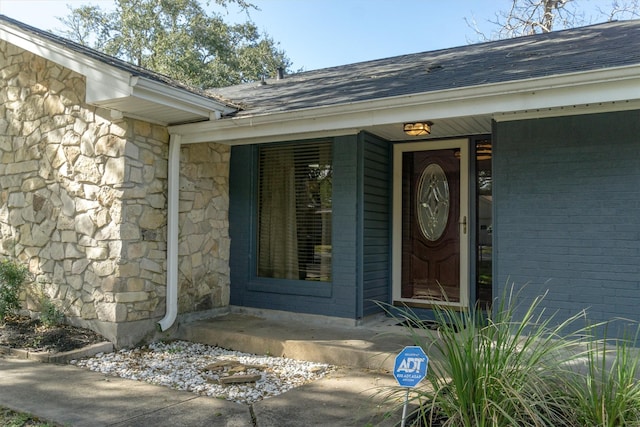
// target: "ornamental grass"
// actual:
[[517, 365]]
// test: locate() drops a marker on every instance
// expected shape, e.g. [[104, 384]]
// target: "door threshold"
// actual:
[[431, 304]]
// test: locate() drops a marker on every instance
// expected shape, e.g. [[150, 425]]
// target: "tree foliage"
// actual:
[[527, 17], [178, 38]]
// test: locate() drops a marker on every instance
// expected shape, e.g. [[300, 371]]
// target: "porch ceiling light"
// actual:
[[417, 128]]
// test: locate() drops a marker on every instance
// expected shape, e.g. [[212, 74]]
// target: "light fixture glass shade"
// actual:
[[417, 128]]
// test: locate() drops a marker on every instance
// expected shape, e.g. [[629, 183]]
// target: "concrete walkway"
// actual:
[[72, 396], [353, 395]]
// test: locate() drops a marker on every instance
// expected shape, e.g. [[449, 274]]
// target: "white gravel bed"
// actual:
[[187, 366]]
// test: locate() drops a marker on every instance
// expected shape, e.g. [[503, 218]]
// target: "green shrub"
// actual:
[[50, 315], [608, 392], [12, 278], [506, 367]]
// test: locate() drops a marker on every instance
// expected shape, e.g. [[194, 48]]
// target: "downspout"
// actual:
[[173, 194]]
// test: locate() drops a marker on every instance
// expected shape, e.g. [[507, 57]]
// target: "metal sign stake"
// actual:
[[404, 409]]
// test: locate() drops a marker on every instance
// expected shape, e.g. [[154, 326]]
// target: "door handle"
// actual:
[[464, 224]]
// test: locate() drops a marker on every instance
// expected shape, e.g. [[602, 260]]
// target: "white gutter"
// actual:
[[594, 86], [171, 311], [108, 85], [175, 97]]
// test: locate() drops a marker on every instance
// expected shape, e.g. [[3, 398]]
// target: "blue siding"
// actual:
[[375, 223], [337, 298], [567, 212], [345, 205], [241, 173]]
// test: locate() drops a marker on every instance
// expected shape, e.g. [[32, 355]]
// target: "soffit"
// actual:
[[151, 111], [115, 84], [444, 128]]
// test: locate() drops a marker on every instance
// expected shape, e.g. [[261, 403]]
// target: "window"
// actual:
[[294, 212], [484, 206]]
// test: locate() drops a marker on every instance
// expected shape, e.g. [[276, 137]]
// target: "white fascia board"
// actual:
[[103, 81], [177, 98], [106, 83], [599, 86], [571, 110]]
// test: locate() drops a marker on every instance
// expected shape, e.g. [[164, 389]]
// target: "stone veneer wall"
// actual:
[[83, 204], [204, 242]]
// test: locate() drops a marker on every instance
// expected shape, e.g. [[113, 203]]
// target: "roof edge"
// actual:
[[605, 85], [108, 81]]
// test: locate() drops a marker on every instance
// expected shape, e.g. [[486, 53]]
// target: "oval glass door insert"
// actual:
[[433, 202]]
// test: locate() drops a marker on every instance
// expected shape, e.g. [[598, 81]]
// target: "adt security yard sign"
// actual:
[[411, 366]]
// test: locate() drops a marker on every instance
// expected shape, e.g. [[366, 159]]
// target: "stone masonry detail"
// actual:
[[204, 242], [83, 204]]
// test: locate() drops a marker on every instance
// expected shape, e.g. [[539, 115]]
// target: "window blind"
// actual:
[[294, 211]]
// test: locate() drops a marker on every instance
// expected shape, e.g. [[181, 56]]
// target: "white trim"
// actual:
[[586, 88], [571, 110], [106, 83], [180, 99], [274, 137], [396, 240], [105, 78]]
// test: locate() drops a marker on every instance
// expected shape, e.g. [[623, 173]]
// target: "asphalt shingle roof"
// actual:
[[594, 47], [600, 46]]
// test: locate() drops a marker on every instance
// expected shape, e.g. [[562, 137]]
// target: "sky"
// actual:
[[323, 33]]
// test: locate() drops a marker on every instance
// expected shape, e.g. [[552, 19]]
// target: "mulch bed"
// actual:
[[30, 334]]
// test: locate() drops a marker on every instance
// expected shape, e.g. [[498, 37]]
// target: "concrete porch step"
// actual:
[[373, 346]]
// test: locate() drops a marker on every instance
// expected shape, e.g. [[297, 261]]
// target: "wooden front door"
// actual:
[[433, 224]]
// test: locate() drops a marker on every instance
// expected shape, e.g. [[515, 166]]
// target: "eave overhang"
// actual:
[[573, 93], [120, 90]]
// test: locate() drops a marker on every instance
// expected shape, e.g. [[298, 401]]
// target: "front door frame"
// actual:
[[461, 144]]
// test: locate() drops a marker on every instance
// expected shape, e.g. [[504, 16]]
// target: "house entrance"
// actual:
[[431, 230]]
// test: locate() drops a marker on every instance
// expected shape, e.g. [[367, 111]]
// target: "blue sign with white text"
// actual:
[[411, 366]]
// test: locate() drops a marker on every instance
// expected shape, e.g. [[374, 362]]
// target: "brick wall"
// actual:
[[567, 212]]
